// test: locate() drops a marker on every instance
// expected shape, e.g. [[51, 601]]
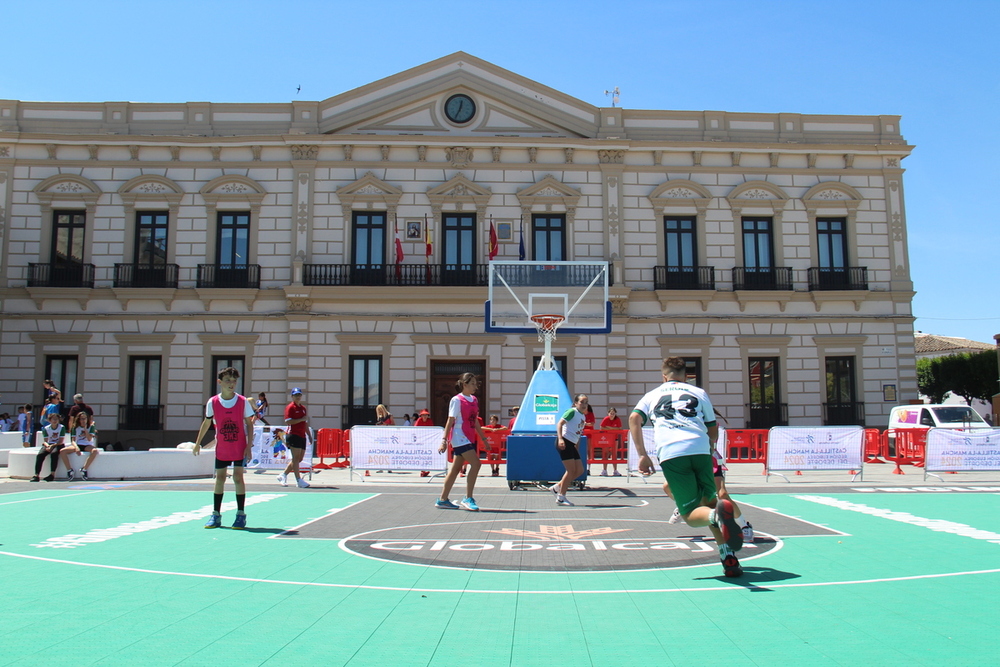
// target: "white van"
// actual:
[[935, 416]]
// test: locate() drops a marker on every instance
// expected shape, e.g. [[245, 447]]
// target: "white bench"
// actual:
[[9, 440], [152, 464]]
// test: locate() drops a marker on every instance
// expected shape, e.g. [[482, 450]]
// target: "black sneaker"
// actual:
[[83, 475], [49, 478], [731, 566], [34, 478], [725, 521], [70, 474]]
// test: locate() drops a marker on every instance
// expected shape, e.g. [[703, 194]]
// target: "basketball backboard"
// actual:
[[576, 291]]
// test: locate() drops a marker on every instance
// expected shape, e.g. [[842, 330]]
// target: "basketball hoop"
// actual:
[[547, 325]]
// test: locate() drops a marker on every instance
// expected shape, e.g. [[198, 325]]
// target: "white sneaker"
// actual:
[[283, 479], [675, 517], [748, 532], [563, 500], [303, 484], [554, 489], [604, 473], [616, 474]]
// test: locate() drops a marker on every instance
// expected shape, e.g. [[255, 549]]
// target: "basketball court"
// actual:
[[340, 574]]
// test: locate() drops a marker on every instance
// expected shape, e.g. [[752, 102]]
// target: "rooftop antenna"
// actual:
[[614, 93]]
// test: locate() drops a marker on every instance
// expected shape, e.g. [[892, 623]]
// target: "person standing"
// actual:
[[297, 421], [79, 406], [232, 415], [685, 432], [569, 430], [25, 424], [462, 430]]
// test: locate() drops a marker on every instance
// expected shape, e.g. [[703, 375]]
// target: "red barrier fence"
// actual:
[[905, 446], [612, 445], [332, 443]]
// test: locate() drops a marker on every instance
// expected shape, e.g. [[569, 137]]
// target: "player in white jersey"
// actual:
[[684, 436]]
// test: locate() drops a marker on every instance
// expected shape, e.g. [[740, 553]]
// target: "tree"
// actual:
[[969, 375], [928, 382]]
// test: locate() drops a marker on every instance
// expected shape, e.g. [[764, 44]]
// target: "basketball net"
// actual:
[[546, 326]]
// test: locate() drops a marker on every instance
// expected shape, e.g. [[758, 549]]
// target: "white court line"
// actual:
[[330, 512], [835, 532], [64, 495], [736, 585]]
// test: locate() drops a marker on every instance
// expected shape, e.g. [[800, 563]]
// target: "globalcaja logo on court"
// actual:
[[582, 545]]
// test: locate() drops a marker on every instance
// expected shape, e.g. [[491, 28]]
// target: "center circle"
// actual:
[[560, 544]]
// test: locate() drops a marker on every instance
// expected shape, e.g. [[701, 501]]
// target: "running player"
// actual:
[[685, 432]]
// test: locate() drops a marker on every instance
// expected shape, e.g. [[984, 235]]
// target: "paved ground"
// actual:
[[887, 570]]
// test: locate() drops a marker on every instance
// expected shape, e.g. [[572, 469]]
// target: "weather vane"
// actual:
[[614, 93]]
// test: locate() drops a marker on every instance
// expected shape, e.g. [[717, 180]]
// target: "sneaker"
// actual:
[[83, 475], [214, 521], [675, 517], [731, 566], [425, 473], [241, 521], [302, 484], [616, 474], [604, 473], [470, 504], [723, 519], [747, 533], [70, 474], [283, 479], [563, 500], [445, 505], [50, 478], [34, 478], [554, 489]]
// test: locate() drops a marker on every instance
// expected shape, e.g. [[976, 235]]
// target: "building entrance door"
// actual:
[[444, 374]]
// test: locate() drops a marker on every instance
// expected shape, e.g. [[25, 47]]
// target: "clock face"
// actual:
[[459, 108]]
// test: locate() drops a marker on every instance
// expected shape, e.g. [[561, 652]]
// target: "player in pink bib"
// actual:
[[232, 415]]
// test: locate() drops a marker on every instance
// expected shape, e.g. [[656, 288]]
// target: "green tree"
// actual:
[[969, 375], [928, 382]]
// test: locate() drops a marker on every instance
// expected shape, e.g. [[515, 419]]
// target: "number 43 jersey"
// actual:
[[681, 414]]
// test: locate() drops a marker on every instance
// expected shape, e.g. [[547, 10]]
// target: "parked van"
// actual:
[[935, 416]]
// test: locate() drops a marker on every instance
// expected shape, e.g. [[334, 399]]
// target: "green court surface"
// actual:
[[129, 577]]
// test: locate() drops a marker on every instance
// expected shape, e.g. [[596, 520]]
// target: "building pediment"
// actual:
[[413, 102], [369, 191]]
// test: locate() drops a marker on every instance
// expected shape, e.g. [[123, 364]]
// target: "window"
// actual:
[[559, 361], [458, 249], [369, 239], [832, 235], [233, 248], [151, 238], [681, 251], [66, 260], [62, 370], [692, 370], [548, 237], [765, 405], [143, 409], [757, 243], [841, 406], [366, 389], [223, 361]]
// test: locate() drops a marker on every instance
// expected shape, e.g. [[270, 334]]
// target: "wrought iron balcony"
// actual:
[[844, 414], [146, 275], [847, 278], [381, 275], [766, 415], [140, 417], [767, 278], [229, 276], [61, 275], [684, 277]]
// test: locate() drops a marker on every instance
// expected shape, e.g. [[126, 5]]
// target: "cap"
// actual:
[[423, 412], [296, 390]]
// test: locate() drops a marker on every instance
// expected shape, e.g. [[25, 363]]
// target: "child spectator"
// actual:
[[54, 440], [83, 435]]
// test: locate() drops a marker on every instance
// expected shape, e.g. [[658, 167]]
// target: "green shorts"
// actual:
[[691, 480]]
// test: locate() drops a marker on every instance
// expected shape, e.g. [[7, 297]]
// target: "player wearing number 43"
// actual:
[[684, 435]]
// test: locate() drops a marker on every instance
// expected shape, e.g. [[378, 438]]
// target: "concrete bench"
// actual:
[[9, 440], [152, 464]]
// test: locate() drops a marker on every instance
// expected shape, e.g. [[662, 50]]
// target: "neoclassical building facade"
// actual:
[[144, 246]]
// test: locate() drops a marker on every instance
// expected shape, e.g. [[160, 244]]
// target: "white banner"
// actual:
[[951, 450], [647, 438], [270, 451], [397, 448], [815, 448]]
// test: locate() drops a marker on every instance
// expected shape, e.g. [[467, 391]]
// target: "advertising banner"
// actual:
[[270, 451], [647, 439], [397, 448], [815, 448], [950, 450]]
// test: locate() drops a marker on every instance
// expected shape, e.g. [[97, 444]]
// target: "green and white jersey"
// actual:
[[54, 436], [573, 428], [681, 414]]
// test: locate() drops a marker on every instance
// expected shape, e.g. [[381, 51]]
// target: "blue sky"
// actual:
[[935, 64]]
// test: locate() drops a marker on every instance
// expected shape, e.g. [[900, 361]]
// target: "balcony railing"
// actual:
[[380, 275], [766, 415], [146, 275], [769, 278], [229, 276], [61, 275], [844, 414], [140, 417], [684, 277], [847, 278]]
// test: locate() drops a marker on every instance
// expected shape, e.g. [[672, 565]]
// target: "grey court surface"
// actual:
[[889, 570]]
